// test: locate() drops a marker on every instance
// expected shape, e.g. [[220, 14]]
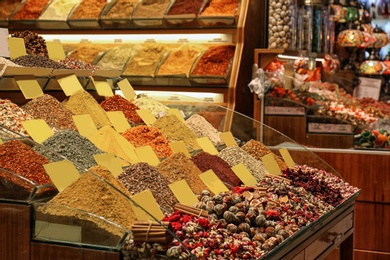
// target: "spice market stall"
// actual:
[[248, 209]]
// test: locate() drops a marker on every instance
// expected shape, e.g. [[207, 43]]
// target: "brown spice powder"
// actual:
[[178, 167], [91, 194]]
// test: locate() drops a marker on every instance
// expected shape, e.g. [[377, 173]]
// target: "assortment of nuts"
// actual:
[[280, 24]]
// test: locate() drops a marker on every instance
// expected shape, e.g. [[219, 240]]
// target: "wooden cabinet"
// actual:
[[368, 170]]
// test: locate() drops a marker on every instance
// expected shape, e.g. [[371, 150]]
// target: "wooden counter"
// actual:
[[370, 171]]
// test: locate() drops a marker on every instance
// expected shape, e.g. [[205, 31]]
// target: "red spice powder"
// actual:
[[221, 7], [215, 61], [148, 135], [31, 10], [20, 158], [119, 103], [185, 7], [7, 7]]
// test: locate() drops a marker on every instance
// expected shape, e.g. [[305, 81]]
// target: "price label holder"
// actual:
[[16, 47], [183, 193], [69, 84], [110, 161], [55, 50], [368, 87], [146, 200], [287, 157], [179, 146], [29, 86], [147, 116], [126, 88], [127, 148], [228, 139], [118, 120], [1, 141], [211, 180], [270, 164], [102, 87], [37, 129], [244, 174], [207, 145], [62, 173], [85, 125], [177, 113], [146, 154], [4, 49]]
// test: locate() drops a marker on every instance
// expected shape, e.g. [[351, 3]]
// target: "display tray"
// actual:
[[61, 224], [16, 188], [30, 24], [218, 20], [152, 21], [114, 23], [52, 24], [221, 80]]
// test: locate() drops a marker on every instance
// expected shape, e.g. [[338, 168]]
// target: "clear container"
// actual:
[[310, 28], [62, 224]]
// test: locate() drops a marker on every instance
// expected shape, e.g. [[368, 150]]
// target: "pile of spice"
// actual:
[[12, 116], [6, 63], [322, 184], [234, 155], [87, 52], [48, 108], [115, 58], [36, 61], [220, 8], [81, 103], [142, 176], [178, 167], [143, 135], [88, 9], [202, 128], [185, 7], [20, 158], [92, 193], [205, 161], [110, 141], [121, 9], [71, 145], [145, 60], [34, 43], [154, 106], [257, 150], [151, 8], [179, 60], [7, 7], [74, 64], [58, 10], [215, 61], [30, 10], [119, 103], [175, 130]]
